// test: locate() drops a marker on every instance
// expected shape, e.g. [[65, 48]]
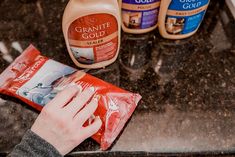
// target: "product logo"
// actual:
[[191, 4], [29, 72], [93, 32], [144, 1]]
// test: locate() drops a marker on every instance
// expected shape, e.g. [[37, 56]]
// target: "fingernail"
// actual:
[[97, 117], [72, 87], [78, 90], [92, 89], [96, 98]]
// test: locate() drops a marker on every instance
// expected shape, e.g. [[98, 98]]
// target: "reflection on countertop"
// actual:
[[188, 86]]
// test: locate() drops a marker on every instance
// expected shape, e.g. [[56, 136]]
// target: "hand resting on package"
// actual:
[[61, 122]]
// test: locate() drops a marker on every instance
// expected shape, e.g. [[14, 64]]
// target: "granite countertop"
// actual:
[[188, 86]]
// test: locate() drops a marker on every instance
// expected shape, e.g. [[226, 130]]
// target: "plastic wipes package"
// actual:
[[36, 80]]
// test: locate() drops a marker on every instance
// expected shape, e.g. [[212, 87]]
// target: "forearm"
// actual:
[[33, 145]]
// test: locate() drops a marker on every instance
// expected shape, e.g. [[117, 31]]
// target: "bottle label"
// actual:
[[140, 14], [185, 16], [94, 38]]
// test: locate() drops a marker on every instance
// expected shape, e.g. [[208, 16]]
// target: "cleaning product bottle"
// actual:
[[92, 31], [180, 19], [139, 16]]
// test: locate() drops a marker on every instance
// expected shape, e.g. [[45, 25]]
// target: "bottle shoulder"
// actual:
[[81, 8], [76, 10]]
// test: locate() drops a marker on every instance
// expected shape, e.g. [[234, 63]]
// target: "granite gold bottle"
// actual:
[[92, 32], [180, 19], [139, 16]]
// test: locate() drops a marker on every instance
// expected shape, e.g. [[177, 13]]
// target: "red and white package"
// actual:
[[36, 80]]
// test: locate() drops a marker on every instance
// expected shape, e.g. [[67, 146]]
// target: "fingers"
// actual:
[[79, 101], [93, 128], [64, 97], [87, 111]]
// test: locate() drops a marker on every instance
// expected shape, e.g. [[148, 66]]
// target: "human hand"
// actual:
[[61, 121]]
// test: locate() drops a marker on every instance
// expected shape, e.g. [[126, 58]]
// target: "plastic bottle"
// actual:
[[92, 31], [180, 19], [139, 16]]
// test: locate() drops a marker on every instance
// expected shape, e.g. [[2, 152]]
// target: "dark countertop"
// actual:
[[188, 86]]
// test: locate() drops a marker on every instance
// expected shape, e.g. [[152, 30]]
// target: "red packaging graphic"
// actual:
[[36, 80]]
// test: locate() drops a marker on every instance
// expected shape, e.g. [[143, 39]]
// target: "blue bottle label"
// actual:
[[185, 16], [140, 14]]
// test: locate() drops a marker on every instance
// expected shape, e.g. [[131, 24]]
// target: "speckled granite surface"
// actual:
[[188, 86]]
